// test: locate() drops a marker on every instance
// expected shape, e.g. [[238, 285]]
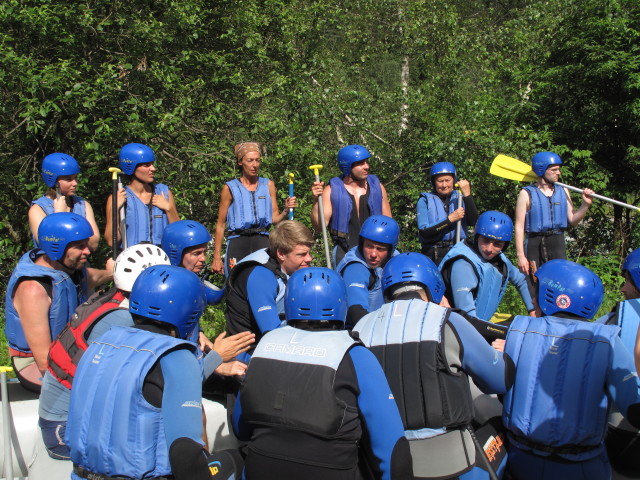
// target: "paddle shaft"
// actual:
[[600, 197], [459, 225], [316, 170], [6, 427], [291, 194]]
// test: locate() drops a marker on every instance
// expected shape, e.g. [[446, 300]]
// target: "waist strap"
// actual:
[[545, 234], [564, 450], [84, 473], [249, 231]]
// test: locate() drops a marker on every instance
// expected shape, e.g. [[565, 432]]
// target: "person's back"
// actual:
[[315, 403], [567, 371], [427, 351]]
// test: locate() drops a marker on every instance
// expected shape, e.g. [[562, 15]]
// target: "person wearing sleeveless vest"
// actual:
[[255, 289], [427, 353], [146, 423], [60, 173], [248, 208], [90, 320], [148, 206], [569, 371], [477, 272], [623, 439], [315, 403], [349, 200], [45, 288], [438, 214], [543, 213], [362, 266]]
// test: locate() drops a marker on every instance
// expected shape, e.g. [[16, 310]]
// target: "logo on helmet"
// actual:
[[47, 238], [563, 301]]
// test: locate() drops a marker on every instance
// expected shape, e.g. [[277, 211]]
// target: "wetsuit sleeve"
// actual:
[[491, 370], [212, 360], [390, 455], [181, 396], [120, 317], [517, 278], [356, 278], [622, 383], [463, 282], [470, 210], [262, 291]]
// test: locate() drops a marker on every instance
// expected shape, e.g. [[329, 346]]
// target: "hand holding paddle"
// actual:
[[512, 169]]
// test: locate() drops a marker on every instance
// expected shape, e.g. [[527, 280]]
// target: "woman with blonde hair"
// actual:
[[247, 209]]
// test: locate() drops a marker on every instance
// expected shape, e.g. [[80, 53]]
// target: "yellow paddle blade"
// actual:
[[512, 169], [501, 317]]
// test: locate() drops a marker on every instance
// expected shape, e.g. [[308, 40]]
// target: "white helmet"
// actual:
[[132, 261]]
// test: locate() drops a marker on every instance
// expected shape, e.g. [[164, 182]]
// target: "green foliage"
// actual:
[[414, 81]]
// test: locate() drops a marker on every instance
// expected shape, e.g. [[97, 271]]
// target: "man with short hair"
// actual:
[[44, 290], [349, 200], [543, 213], [256, 286], [362, 266]]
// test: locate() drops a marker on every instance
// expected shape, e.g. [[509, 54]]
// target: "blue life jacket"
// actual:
[[628, 319], [46, 204], [249, 210], [112, 430], [407, 338], [436, 214], [66, 297], [546, 213], [373, 283], [280, 356], [491, 282], [342, 204], [558, 402], [141, 228]]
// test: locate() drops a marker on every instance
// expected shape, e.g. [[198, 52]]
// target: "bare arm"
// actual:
[[386, 208], [97, 277], [316, 190], [32, 304], [522, 206], [95, 238], [35, 215], [225, 201], [576, 216], [122, 198]]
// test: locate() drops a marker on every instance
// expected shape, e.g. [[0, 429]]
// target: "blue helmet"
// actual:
[[178, 236], [317, 294], [169, 294], [411, 267], [381, 229], [441, 168], [58, 230], [495, 225], [349, 155], [56, 165], [565, 286], [632, 265], [543, 160], [133, 154]]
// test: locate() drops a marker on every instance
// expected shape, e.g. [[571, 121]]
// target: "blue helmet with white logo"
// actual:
[[565, 286], [349, 155], [443, 168], [171, 295], [56, 165], [381, 229], [133, 154], [180, 235], [413, 268], [543, 160], [495, 225], [632, 265], [58, 230], [316, 294]]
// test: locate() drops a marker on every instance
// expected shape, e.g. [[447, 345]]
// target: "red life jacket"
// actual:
[[67, 350]]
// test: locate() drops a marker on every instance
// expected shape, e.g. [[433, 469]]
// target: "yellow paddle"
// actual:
[[512, 169]]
